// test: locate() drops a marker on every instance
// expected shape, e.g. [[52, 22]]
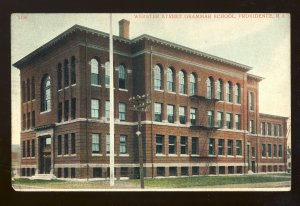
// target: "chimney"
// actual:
[[124, 28]]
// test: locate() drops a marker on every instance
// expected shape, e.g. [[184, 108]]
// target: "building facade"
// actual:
[[204, 117]]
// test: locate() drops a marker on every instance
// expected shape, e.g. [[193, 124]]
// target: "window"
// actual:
[[274, 150], [238, 122], [73, 172], [95, 108], [212, 170], [24, 149], [172, 171], [195, 170], [220, 119], [24, 122], [184, 171], [228, 92], [251, 126], [97, 172], [66, 144], [46, 94], [157, 112], [32, 171], [66, 73], [107, 110], [159, 144], [94, 72], [124, 172], [193, 116], [122, 77], [280, 151], [123, 145], [170, 111], [28, 148], [183, 145], [269, 129], [157, 78], [59, 145], [220, 89], [160, 171], [182, 86], [59, 112], [229, 120], [73, 108], [230, 169], [73, 143], [23, 91], [182, 119], [263, 128], [59, 77], [209, 88], [195, 145], [251, 101], [211, 146], [122, 111], [48, 141], [253, 151], [222, 170], [32, 148], [192, 84], [230, 147], [263, 150], [273, 129], [238, 147], [107, 143], [73, 71], [237, 93], [210, 119], [28, 120], [269, 150], [239, 169], [172, 144], [170, 80], [95, 143], [66, 110], [28, 89], [107, 74], [32, 88], [220, 146], [279, 130], [66, 172], [33, 119]]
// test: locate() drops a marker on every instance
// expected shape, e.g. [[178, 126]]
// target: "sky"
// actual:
[[261, 41]]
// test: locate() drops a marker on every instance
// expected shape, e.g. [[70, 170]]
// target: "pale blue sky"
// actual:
[[262, 43]]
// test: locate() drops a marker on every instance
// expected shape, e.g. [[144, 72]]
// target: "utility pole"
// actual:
[[140, 104]]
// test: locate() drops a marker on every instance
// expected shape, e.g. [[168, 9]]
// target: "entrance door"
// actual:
[[253, 166], [45, 155]]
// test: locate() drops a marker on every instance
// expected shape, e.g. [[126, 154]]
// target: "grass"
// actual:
[[210, 180], [181, 182]]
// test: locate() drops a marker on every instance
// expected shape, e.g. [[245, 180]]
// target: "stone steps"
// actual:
[[43, 177]]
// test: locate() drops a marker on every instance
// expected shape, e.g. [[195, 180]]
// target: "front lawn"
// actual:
[[211, 180]]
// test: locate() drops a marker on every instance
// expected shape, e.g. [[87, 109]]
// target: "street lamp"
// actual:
[[140, 104]]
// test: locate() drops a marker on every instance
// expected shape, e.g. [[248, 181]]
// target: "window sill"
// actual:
[[124, 90], [183, 155], [59, 155], [171, 92], [158, 90], [59, 90], [95, 85], [96, 155], [183, 94], [172, 155], [221, 155], [44, 112], [73, 85], [195, 155], [124, 155], [239, 156], [160, 155], [33, 100], [211, 155], [67, 87], [73, 155], [109, 155], [230, 156]]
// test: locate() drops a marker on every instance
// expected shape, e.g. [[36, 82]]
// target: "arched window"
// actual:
[[122, 77], [107, 74], [170, 80], [46, 94], [209, 88], [228, 92], [94, 72], [237, 94], [59, 76], [192, 84], [157, 78], [182, 86], [220, 89]]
